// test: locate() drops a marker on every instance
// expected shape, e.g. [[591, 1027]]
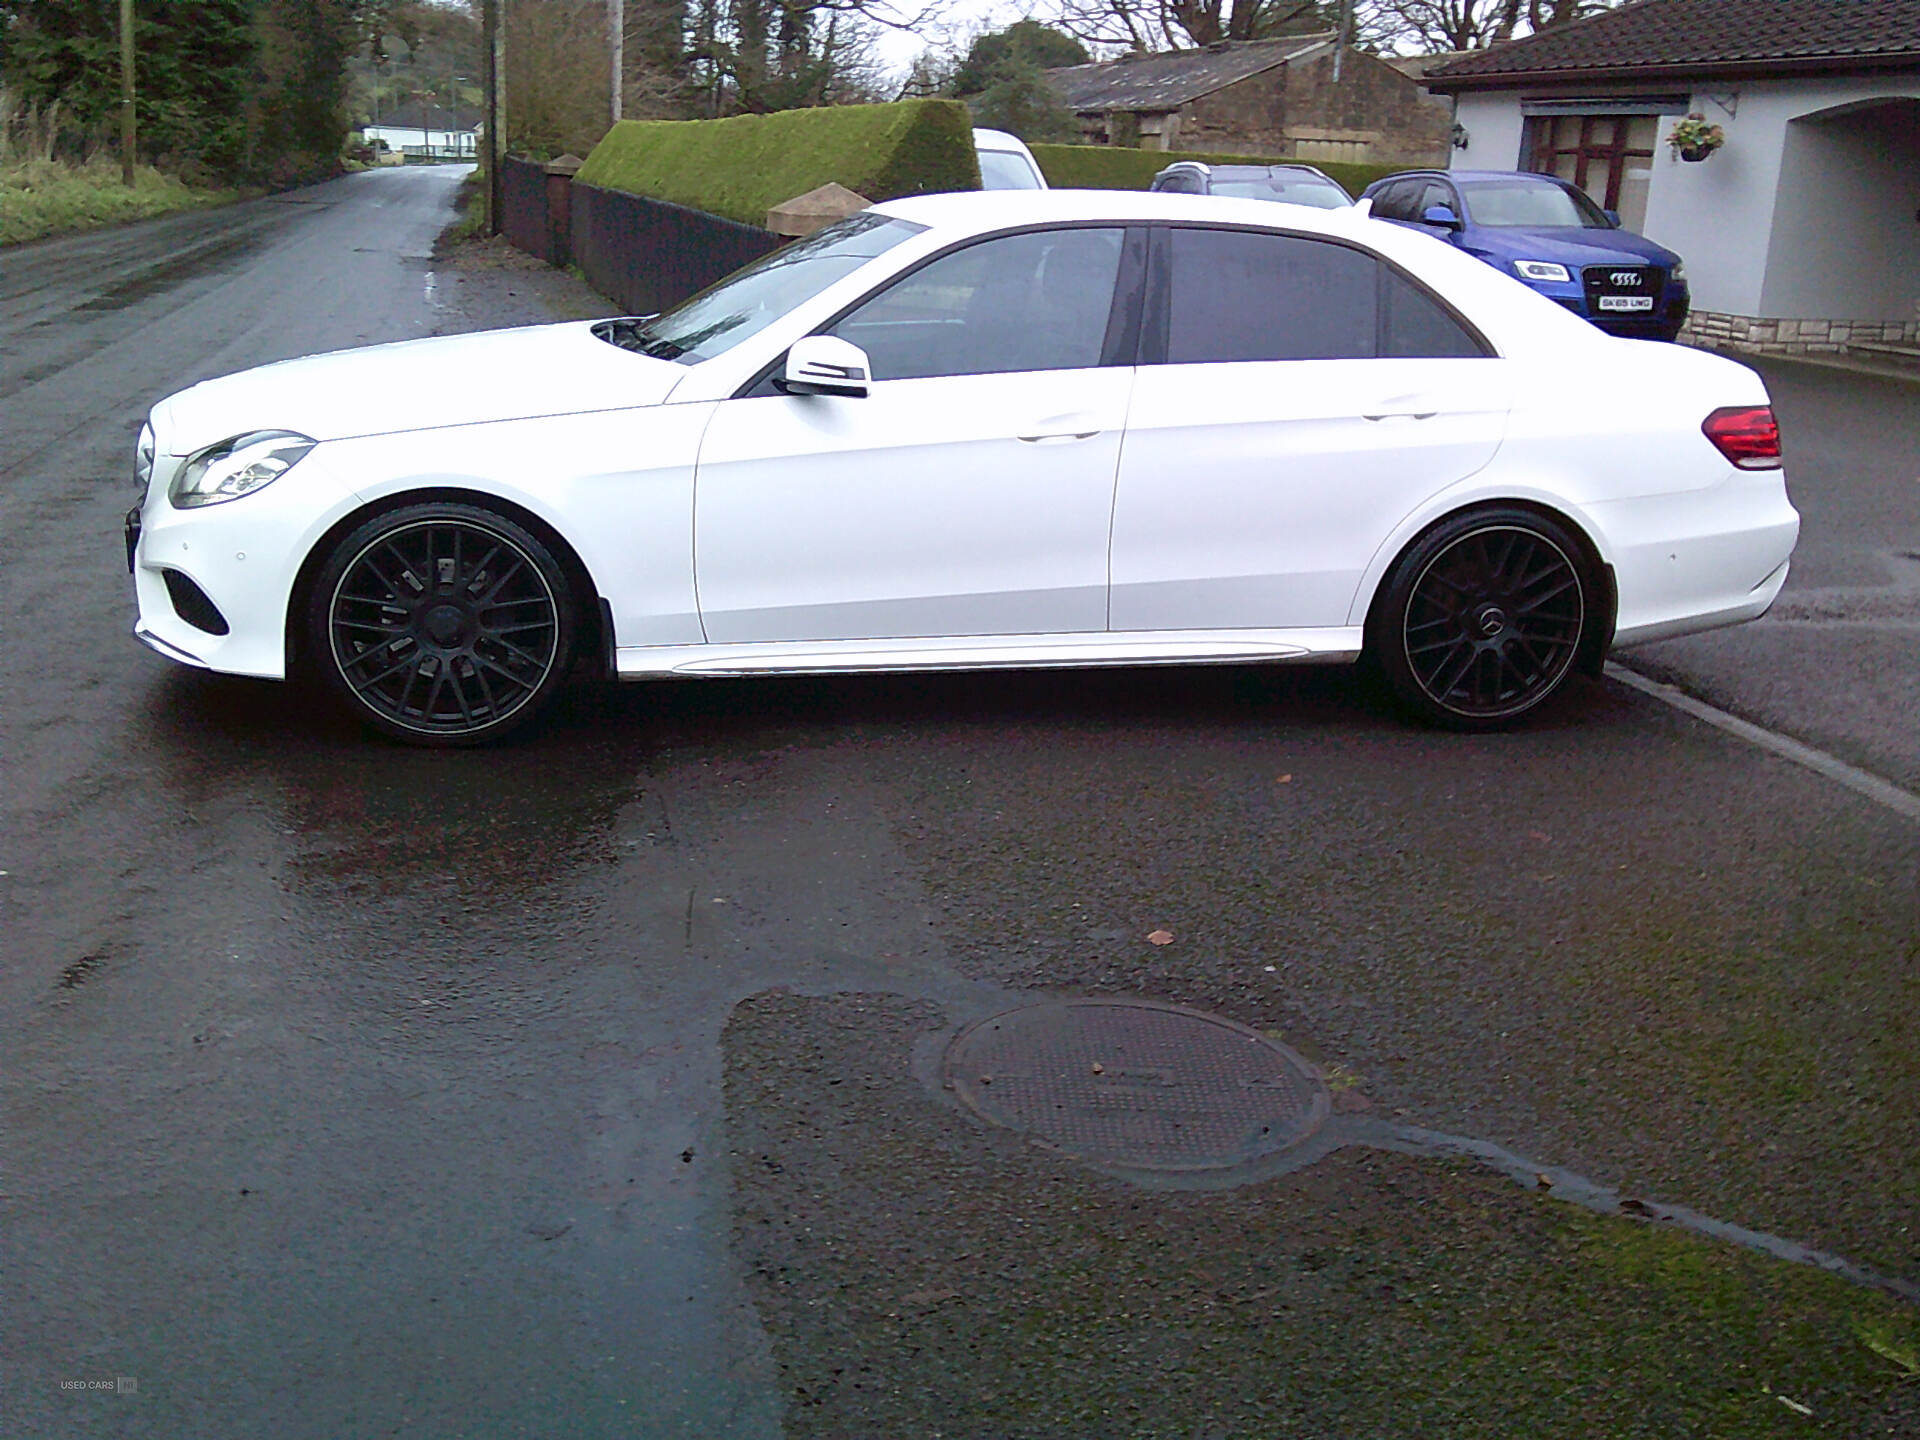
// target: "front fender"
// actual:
[[615, 486]]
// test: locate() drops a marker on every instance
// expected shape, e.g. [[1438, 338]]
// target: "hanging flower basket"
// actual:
[[1694, 139]]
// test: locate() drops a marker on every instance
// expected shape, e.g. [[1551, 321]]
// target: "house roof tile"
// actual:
[[1703, 36]]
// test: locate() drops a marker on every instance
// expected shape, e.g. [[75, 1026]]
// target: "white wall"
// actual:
[[400, 135], [1726, 214], [1493, 132], [1846, 236]]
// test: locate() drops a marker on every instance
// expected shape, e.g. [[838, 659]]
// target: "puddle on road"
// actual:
[[1169, 1097], [366, 820]]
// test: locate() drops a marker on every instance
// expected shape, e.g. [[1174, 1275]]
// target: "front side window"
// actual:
[[1396, 201], [1236, 295], [1036, 301], [749, 300], [1433, 196]]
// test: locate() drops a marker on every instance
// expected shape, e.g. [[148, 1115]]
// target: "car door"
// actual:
[[970, 492], [1297, 398]]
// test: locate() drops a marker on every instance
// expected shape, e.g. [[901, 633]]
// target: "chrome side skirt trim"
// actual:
[[994, 652]]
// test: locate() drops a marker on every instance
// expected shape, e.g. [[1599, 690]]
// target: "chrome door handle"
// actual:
[[1403, 407], [1057, 429]]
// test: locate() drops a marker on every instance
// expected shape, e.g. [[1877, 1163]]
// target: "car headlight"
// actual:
[[237, 467], [143, 458], [1542, 270], [1679, 271]]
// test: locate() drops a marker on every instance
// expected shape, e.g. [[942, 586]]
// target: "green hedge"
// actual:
[[744, 166], [1116, 167]]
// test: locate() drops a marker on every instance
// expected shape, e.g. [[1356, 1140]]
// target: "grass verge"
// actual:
[[50, 197]]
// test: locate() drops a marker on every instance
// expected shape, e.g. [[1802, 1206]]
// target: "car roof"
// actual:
[[1525, 177], [984, 139], [978, 211]]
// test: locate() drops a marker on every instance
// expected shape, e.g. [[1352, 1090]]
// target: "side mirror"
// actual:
[[1613, 218], [825, 365], [1441, 215]]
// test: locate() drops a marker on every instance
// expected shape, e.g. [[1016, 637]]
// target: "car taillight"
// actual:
[[1748, 435]]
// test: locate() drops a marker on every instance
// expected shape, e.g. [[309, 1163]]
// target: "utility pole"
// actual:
[[617, 34], [495, 33], [126, 92]]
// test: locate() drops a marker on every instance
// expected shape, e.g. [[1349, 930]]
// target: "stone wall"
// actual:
[[1862, 338], [1374, 116], [1402, 123], [1246, 118]]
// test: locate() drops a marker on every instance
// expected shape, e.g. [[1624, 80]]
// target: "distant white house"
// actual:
[[1801, 233], [427, 132]]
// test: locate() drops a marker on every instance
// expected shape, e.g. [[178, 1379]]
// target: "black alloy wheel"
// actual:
[[443, 624], [1482, 620]]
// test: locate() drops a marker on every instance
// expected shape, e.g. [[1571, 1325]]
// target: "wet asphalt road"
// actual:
[[570, 1090]]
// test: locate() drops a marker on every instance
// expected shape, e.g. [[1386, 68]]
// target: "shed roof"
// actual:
[[1166, 82], [1673, 38]]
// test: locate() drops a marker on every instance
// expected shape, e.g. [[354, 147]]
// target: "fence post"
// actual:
[[560, 175]]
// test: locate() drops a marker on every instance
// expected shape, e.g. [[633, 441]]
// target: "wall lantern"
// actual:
[[1460, 136]]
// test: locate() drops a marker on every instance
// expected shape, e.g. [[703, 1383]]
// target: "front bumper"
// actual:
[[232, 566], [1662, 322]]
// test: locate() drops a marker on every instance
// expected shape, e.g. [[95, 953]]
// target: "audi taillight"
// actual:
[[1748, 435]]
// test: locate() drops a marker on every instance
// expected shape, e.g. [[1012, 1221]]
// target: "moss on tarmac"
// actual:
[[921, 1274]]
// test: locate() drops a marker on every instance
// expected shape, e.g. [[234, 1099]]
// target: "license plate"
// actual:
[[1626, 302]]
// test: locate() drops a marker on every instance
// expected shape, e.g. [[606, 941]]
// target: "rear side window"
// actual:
[[1243, 295], [1228, 296], [1414, 326]]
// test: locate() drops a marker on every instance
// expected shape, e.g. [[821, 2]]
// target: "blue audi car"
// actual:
[[1548, 233]]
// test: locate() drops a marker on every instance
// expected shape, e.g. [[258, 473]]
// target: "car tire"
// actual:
[[442, 624], [1482, 620]]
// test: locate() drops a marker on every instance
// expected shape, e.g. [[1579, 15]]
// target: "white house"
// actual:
[[1801, 233], [430, 132]]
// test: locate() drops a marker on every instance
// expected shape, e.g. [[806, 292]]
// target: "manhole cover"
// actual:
[[1137, 1085]]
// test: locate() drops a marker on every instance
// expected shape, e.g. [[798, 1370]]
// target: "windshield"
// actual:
[[749, 300], [1288, 187], [1004, 170], [1497, 202]]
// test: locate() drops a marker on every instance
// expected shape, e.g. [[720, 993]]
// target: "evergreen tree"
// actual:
[[1023, 45], [192, 66], [298, 121]]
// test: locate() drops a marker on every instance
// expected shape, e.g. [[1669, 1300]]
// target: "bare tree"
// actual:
[[1438, 25], [556, 75], [1179, 24]]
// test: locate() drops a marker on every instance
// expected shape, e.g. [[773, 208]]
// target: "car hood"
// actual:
[[419, 385], [1569, 245]]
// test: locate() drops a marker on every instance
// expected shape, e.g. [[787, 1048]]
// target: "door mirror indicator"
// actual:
[[1441, 215], [825, 365]]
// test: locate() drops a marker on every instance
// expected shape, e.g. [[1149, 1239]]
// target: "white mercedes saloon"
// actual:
[[1017, 428]]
